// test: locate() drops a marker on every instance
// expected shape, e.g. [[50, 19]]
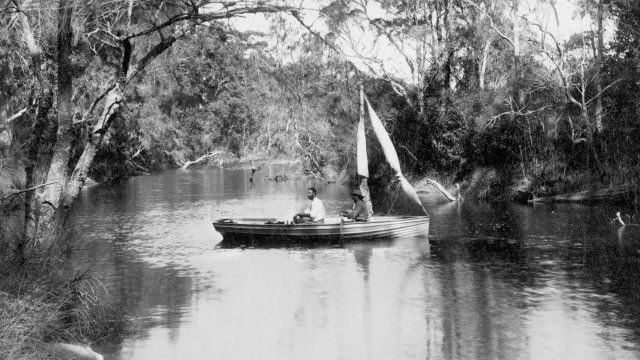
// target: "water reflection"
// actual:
[[497, 282]]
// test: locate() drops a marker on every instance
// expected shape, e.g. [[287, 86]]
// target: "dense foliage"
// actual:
[[475, 84], [528, 110]]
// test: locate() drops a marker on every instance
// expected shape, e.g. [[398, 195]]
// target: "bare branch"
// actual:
[[397, 87], [603, 90], [493, 25], [227, 13], [518, 112], [200, 159], [16, 115], [29, 189]]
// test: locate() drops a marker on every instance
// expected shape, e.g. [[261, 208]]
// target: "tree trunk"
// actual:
[[590, 138], [598, 78], [39, 113], [43, 105], [518, 94], [56, 203], [483, 64], [34, 50], [51, 198], [81, 171], [269, 136]]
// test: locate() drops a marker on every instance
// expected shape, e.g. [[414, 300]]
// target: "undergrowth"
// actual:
[[41, 305]]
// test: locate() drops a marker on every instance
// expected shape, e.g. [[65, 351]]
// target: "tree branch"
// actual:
[[201, 158], [29, 189], [397, 87], [603, 90], [17, 115], [493, 25], [228, 12]]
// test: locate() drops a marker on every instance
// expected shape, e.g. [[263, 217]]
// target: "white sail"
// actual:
[[363, 162], [391, 155]]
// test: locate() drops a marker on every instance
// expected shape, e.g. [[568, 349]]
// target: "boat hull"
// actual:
[[333, 229]]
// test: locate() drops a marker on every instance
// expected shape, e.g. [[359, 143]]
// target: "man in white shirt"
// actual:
[[315, 212]]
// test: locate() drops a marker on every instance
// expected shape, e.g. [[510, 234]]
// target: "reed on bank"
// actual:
[[41, 306]]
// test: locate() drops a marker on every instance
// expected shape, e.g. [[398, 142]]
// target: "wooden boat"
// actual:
[[331, 229], [337, 228]]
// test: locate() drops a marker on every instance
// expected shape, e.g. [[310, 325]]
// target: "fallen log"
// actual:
[[443, 190], [590, 195], [200, 159]]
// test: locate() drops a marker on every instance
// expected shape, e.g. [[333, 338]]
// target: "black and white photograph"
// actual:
[[319, 179]]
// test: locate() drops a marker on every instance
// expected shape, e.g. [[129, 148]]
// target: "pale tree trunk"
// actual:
[[590, 130], [442, 52], [483, 64], [518, 94], [63, 187], [269, 137], [582, 102], [56, 202], [39, 132], [79, 175], [598, 78], [51, 197], [53, 218]]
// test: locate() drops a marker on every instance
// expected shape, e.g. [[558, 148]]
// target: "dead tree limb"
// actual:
[[200, 159], [433, 182], [17, 115]]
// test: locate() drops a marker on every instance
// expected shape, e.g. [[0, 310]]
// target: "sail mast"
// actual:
[[363, 163]]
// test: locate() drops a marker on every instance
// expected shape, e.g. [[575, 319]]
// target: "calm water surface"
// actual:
[[497, 282]]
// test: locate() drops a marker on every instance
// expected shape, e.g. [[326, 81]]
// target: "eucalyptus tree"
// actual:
[[83, 54], [578, 60], [622, 62]]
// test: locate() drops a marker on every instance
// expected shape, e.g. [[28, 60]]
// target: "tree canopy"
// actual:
[[109, 89]]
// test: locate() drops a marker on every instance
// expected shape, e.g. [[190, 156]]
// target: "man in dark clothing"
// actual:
[[359, 211]]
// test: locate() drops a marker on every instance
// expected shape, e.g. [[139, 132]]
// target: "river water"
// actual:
[[497, 282]]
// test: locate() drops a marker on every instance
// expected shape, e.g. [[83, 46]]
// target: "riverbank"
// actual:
[[511, 185], [45, 313], [45, 309]]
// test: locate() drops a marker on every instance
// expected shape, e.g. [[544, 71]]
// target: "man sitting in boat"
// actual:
[[359, 211], [315, 212]]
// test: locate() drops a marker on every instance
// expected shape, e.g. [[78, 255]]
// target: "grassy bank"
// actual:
[[41, 305]]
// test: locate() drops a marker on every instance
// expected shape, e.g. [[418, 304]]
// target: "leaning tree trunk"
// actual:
[[56, 203], [81, 171]]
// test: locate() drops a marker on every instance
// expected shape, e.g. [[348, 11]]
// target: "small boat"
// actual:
[[337, 228], [330, 230]]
